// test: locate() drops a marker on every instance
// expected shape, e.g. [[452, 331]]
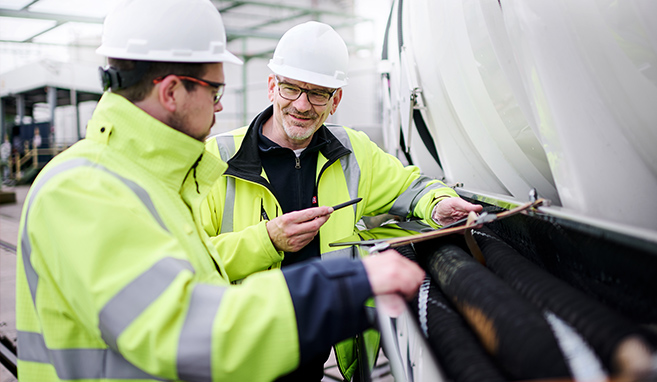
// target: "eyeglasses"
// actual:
[[220, 86], [292, 93]]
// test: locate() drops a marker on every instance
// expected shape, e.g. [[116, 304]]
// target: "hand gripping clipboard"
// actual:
[[392, 305]]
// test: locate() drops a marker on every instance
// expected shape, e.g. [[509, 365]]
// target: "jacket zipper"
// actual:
[[263, 213], [297, 165]]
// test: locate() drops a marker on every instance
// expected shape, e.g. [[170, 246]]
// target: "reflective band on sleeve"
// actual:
[[73, 364], [31, 347], [135, 297], [26, 247], [406, 202], [195, 345], [229, 206]]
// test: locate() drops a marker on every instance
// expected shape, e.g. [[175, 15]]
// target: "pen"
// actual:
[[341, 205]]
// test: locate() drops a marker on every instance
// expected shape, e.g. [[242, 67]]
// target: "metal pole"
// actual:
[[20, 111], [244, 85], [20, 108], [3, 124], [74, 102], [35, 157], [52, 104]]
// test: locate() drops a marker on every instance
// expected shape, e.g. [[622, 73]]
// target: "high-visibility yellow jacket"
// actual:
[[349, 166], [117, 281]]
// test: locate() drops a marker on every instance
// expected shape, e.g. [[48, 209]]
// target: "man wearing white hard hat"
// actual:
[[116, 279], [271, 207]]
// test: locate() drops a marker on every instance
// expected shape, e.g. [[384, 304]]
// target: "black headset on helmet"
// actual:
[[116, 79]]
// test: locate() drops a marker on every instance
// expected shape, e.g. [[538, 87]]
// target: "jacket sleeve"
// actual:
[[114, 279], [394, 188], [243, 252], [326, 293]]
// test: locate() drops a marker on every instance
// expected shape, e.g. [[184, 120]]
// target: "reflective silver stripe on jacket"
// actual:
[[26, 246], [72, 364], [226, 146], [195, 345], [350, 166], [229, 206], [135, 297], [351, 170], [406, 202]]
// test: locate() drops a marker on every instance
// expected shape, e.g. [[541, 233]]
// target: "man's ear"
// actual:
[[335, 100], [168, 93], [271, 87]]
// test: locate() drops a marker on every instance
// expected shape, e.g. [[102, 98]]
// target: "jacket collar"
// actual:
[[168, 154], [246, 162]]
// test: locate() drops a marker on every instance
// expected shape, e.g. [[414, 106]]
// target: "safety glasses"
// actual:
[[220, 86]]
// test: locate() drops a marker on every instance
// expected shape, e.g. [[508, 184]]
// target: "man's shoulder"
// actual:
[[227, 137], [335, 126], [225, 144], [344, 133], [83, 167], [232, 134]]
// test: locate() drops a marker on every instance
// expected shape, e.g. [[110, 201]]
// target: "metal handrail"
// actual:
[[32, 154]]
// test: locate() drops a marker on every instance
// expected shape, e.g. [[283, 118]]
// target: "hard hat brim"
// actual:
[[167, 56], [307, 76]]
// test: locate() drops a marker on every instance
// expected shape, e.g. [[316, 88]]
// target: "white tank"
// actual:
[[560, 96]]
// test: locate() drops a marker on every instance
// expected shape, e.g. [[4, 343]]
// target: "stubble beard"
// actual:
[[299, 131], [177, 121]]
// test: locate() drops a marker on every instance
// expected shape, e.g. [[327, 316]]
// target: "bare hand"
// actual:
[[391, 273], [292, 231], [452, 209]]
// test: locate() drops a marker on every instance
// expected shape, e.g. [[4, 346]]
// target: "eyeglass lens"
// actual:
[[219, 93], [292, 93]]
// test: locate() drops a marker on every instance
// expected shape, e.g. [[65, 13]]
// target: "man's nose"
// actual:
[[303, 103]]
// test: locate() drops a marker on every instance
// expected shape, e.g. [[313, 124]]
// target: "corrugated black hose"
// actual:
[[456, 347], [603, 329], [512, 330]]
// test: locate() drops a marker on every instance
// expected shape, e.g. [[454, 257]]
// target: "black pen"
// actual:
[[341, 205]]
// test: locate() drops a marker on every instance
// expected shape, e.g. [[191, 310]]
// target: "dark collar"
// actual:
[[267, 146]]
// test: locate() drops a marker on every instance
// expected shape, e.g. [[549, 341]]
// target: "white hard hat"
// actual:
[[189, 31], [312, 52]]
